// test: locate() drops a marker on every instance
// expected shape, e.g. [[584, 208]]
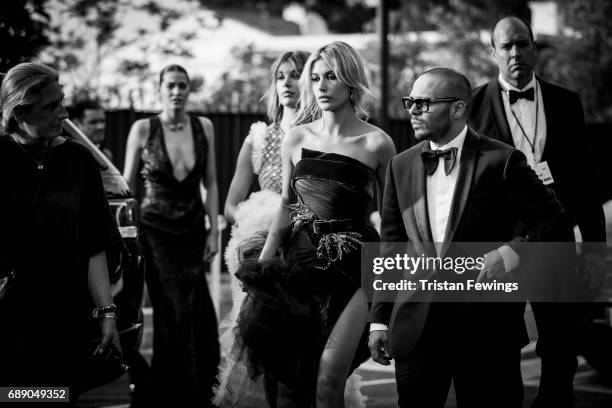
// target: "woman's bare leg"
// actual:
[[339, 352]]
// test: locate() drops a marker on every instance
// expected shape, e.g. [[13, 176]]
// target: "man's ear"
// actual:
[[458, 109], [492, 54]]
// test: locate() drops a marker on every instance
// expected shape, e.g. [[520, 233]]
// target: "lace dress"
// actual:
[[185, 339], [295, 299]]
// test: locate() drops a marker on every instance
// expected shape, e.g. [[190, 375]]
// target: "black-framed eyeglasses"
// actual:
[[422, 104]]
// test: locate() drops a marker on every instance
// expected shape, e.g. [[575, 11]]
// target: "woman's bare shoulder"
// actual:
[[298, 133], [379, 142], [208, 126], [140, 131]]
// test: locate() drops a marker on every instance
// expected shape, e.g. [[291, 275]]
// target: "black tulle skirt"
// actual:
[[293, 302]]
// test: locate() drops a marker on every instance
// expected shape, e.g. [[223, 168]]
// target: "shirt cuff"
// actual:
[[510, 258], [378, 326]]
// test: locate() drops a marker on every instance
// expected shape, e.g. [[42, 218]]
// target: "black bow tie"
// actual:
[[431, 159], [514, 96]]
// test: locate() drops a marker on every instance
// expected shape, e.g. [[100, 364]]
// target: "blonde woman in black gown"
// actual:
[[304, 321]]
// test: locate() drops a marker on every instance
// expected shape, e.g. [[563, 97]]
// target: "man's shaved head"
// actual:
[[506, 19], [453, 83]]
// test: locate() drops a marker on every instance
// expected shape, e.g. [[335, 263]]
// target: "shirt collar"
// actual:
[[456, 142], [506, 86]]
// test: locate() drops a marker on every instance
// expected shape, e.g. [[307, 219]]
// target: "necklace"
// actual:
[[39, 164], [174, 127]]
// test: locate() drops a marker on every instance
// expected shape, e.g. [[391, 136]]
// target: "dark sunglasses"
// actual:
[[422, 104]]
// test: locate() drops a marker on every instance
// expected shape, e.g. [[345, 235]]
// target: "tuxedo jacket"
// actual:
[[497, 199], [565, 151]]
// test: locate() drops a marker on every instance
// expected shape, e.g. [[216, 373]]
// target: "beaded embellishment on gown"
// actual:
[[295, 299]]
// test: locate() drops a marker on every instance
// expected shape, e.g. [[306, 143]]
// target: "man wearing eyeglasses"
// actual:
[[456, 186], [546, 123]]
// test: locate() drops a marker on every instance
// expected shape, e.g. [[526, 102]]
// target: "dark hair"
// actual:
[[298, 59], [172, 68], [77, 111], [521, 19]]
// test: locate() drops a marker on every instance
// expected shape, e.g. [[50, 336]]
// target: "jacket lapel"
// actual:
[[499, 113], [548, 113], [463, 186], [419, 194]]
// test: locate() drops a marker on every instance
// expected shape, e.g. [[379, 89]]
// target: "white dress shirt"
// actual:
[[440, 191], [441, 188], [529, 114]]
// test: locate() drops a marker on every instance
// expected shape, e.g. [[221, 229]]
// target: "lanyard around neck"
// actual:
[[518, 122]]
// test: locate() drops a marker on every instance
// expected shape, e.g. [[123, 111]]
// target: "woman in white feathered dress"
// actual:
[[259, 157]]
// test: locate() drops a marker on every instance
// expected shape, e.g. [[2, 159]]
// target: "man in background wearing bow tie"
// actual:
[[546, 123], [457, 186]]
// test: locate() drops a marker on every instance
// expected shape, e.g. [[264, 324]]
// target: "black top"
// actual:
[[333, 186], [169, 204], [49, 243]]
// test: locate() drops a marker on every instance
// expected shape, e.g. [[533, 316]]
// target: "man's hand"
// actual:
[[494, 267], [595, 271], [378, 347]]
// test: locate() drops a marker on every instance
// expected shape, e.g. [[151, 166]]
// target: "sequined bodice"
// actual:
[[267, 145], [170, 204]]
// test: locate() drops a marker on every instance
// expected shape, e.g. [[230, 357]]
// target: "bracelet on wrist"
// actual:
[[99, 312], [110, 315]]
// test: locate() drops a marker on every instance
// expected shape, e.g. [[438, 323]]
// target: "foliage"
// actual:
[[582, 61], [458, 45], [240, 89], [341, 16], [406, 62], [85, 33], [463, 47], [81, 34], [22, 31]]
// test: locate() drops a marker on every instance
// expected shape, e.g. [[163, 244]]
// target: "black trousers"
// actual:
[[558, 330], [470, 348]]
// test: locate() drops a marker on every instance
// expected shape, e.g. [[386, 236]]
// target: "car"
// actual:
[[125, 261]]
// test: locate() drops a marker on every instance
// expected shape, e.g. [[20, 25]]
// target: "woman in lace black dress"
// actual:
[[175, 154], [304, 321]]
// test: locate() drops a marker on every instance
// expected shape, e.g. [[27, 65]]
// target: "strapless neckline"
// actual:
[[312, 154]]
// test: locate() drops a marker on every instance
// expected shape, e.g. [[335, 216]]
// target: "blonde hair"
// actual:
[[348, 66], [20, 88], [274, 108]]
